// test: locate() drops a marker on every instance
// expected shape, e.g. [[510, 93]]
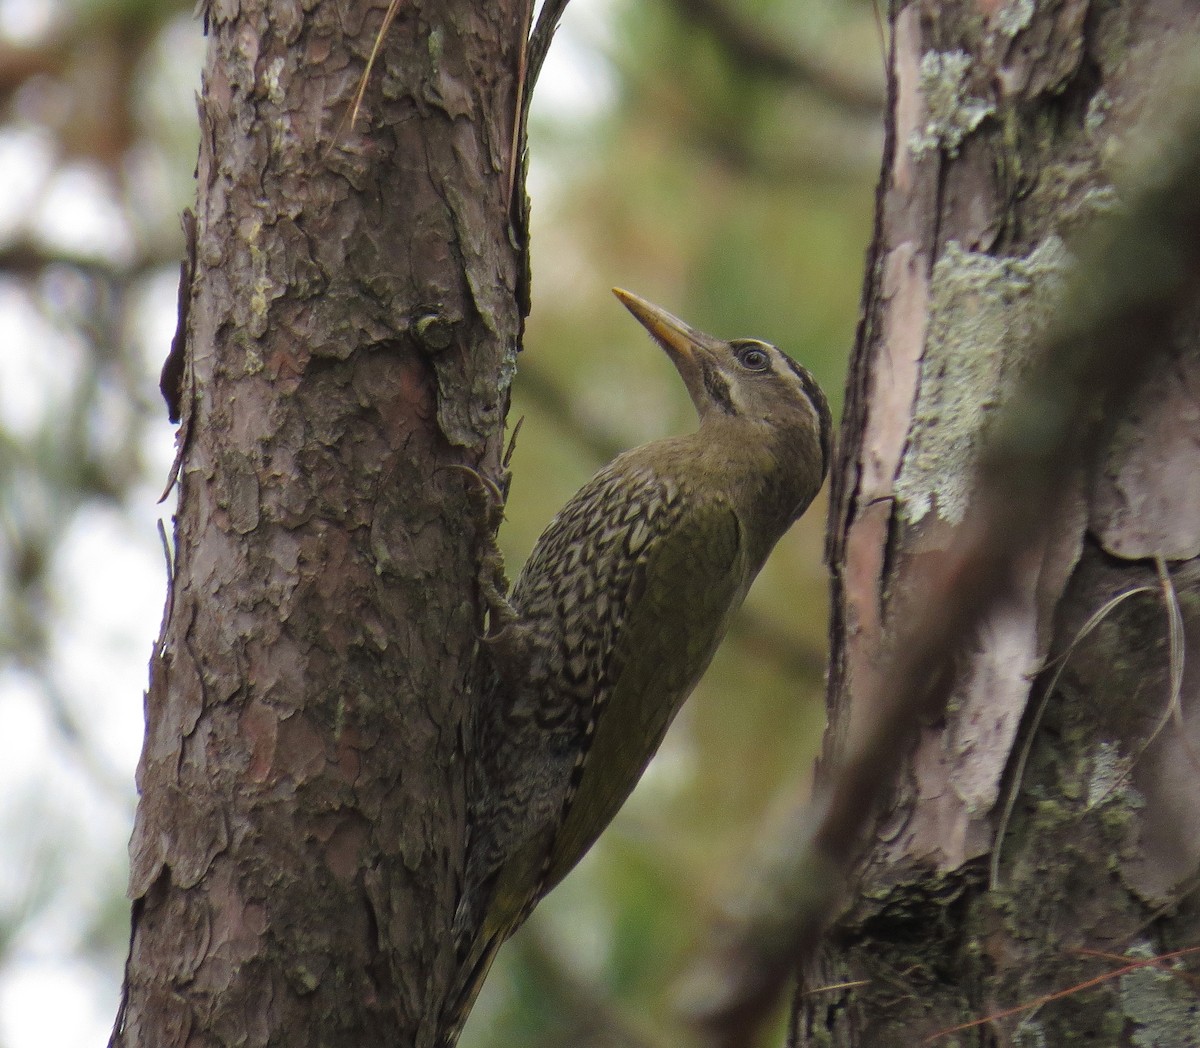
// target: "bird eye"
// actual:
[[752, 358]]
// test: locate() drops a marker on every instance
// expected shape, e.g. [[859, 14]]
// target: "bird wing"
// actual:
[[687, 575], [693, 576]]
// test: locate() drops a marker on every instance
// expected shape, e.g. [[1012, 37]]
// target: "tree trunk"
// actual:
[[352, 324], [1045, 834]]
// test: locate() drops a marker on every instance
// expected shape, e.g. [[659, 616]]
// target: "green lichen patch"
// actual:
[[1163, 1008], [1014, 16], [1030, 1033], [950, 113], [1109, 779], [985, 313], [1097, 112]]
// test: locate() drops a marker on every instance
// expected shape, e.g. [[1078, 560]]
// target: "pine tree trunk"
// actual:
[[353, 315], [1050, 816]]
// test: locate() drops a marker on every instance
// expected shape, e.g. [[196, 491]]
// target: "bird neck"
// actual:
[[770, 472]]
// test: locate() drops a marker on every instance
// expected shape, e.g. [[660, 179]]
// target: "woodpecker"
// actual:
[[616, 616]]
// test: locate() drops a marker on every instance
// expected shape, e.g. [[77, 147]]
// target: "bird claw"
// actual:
[[493, 588], [487, 487], [496, 492], [499, 615], [490, 577]]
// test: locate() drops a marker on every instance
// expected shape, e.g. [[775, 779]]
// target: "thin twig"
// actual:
[[1060, 661], [1177, 653], [385, 25], [1070, 991]]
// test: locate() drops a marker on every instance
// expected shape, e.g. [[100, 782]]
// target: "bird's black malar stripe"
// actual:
[[717, 388]]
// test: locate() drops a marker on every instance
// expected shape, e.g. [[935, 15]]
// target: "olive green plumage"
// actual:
[[616, 616]]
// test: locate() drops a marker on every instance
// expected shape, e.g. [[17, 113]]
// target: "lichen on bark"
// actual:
[[984, 313]]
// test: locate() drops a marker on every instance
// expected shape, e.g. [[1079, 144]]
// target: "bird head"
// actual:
[[745, 380]]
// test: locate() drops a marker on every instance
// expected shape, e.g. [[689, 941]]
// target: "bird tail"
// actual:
[[467, 984]]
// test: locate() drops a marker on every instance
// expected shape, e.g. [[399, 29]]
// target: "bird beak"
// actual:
[[676, 337], [681, 341]]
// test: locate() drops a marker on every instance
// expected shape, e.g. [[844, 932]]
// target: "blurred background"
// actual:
[[715, 156]]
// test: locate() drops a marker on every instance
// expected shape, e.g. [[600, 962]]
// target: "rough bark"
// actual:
[[1047, 817], [353, 317]]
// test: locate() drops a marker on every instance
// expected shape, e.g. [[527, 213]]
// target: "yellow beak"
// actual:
[[680, 340], [692, 352]]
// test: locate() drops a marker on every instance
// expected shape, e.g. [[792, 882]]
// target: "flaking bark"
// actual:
[[352, 328], [1045, 815]]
